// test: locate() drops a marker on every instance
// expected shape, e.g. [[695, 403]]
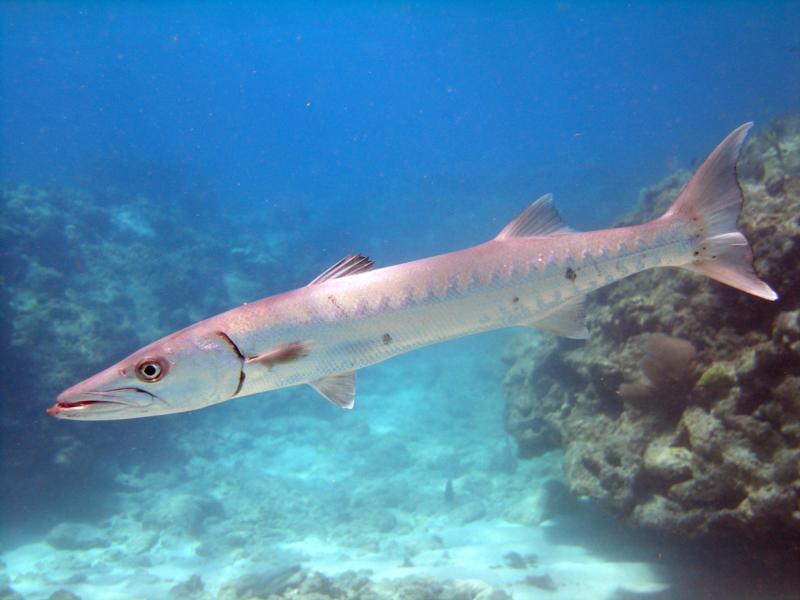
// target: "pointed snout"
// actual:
[[99, 398]]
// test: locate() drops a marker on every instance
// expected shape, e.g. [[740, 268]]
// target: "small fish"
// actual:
[[535, 273]]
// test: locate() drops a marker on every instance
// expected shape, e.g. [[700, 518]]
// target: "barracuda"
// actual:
[[535, 273]]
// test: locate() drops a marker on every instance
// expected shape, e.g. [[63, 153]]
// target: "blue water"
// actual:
[[306, 132], [354, 111]]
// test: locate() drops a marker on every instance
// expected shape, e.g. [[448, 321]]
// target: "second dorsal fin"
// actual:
[[539, 219], [349, 265]]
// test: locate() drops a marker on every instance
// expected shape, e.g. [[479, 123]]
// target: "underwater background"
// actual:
[[163, 162]]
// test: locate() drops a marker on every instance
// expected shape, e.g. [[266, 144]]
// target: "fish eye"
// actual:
[[151, 370]]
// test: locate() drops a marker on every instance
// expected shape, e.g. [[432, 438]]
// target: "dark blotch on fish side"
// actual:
[[387, 339], [515, 300], [571, 274]]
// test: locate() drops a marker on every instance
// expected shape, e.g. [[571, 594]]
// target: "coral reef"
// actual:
[[79, 289], [84, 278], [719, 453], [88, 276]]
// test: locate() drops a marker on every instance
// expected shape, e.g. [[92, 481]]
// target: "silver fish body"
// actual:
[[535, 273], [363, 319]]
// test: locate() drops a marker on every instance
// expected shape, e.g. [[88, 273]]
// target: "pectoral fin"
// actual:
[[568, 320], [340, 389], [280, 354]]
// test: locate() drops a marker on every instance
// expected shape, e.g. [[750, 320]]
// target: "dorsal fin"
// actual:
[[539, 219], [340, 389], [349, 265]]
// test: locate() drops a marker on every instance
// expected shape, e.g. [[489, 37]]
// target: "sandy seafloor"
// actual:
[[337, 491]]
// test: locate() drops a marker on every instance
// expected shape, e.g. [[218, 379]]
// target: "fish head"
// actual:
[[188, 370]]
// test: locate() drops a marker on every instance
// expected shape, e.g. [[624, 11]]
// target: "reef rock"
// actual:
[[183, 514], [87, 276], [63, 595], [76, 536], [83, 272], [300, 584], [720, 455]]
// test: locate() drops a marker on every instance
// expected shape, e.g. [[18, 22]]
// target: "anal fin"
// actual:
[[339, 389], [568, 320]]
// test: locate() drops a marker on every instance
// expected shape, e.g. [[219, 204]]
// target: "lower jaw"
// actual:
[[75, 408]]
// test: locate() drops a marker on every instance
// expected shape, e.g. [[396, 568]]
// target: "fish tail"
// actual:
[[710, 205]]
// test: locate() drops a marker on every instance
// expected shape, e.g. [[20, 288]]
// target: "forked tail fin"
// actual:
[[710, 205]]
